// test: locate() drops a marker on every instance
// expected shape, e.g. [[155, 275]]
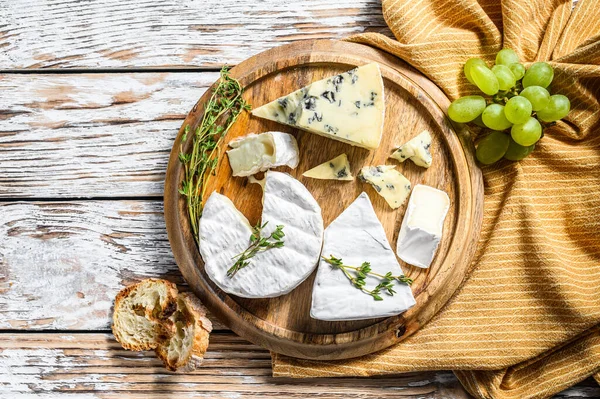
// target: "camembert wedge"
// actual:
[[357, 236], [388, 182], [348, 107], [417, 149], [336, 169], [225, 232], [258, 152], [421, 229]]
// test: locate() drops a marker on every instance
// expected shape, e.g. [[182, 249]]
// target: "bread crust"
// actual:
[[175, 326], [191, 319], [155, 315]]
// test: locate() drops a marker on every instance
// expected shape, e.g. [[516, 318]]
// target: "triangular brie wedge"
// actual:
[[225, 232], [357, 236], [348, 107], [336, 169]]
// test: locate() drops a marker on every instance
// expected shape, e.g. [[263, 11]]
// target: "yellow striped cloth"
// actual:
[[526, 323]]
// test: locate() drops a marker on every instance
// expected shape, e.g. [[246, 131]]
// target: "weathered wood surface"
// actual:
[[95, 366], [91, 135], [62, 263], [168, 33]]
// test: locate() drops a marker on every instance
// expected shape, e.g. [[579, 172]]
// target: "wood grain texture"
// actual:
[[283, 324], [91, 135], [168, 33], [95, 366], [62, 263]]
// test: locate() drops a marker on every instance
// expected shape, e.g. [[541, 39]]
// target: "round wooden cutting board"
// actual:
[[413, 103]]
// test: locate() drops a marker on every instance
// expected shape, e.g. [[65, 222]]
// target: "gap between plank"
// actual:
[[65, 71], [71, 199]]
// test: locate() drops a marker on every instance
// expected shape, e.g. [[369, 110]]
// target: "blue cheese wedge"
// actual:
[[336, 169], [258, 152], [421, 229], [388, 182], [418, 150], [348, 107], [357, 236], [225, 232]]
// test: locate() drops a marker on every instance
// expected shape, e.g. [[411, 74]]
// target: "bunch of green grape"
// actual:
[[519, 105]]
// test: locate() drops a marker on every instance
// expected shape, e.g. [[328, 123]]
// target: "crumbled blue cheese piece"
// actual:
[[348, 107], [388, 182], [336, 169], [418, 150]]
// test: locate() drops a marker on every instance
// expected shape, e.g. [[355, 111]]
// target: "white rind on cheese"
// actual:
[[388, 182], [258, 152], [348, 107], [421, 229], [225, 232], [417, 149], [357, 236], [336, 169]]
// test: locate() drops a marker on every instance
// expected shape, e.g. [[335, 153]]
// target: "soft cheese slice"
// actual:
[[348, 107], [388, 182], [336, 169], [357, 236], [258, 152], [225, 232], [417, 150], [421, 229]]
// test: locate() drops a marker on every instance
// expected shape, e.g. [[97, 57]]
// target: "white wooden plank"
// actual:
[[62, 263], [168, 33], [95, 365], [84, 135]]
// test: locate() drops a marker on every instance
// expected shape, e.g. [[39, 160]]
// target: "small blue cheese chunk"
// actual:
[[336, 169], [418, 150], [388, 182], [348, 107]]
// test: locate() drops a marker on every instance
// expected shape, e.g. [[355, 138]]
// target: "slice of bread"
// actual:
[[185, 350], [153, 315], [139, 310]]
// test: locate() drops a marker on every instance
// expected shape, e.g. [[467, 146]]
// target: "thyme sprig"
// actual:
[[357, 275], [220, 112], [257, 244]]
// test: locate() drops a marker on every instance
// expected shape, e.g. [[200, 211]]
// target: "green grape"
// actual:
[[527, 133], [538, 74], [518, 70], [492, 147], [517, 110], [485, 79], [506, 57], [478, 121], [506, 79], [516, 152], [558, 107], [465, 109], [537, 96], [494, 118], [467, 68]]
